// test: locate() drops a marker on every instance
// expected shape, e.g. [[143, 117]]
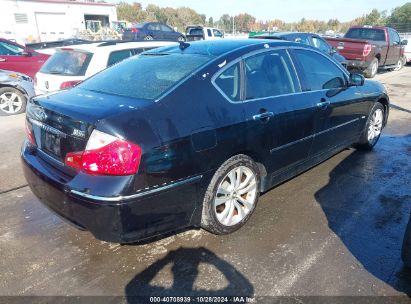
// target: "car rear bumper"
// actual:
[[115, 219], [357, 64]]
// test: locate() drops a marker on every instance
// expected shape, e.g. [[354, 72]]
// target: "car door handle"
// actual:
[[263, 116], [323, 104], [3, 59]]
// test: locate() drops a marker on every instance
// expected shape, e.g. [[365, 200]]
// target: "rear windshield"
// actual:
[[70, 63], [196, 32], [146, 76], [366, 34]]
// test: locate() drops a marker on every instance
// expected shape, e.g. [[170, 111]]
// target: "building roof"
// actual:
[[79, 2]]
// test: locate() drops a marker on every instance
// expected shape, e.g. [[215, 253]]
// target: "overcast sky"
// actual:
[[287, 10]]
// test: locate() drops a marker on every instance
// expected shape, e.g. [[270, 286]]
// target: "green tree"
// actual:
[[211, 22], [400, 18]]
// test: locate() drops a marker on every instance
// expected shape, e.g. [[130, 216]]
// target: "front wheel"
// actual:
[[373, 128], [400, 64], [12, 101], [231, 196]]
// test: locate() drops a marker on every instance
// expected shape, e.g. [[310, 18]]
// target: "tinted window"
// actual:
[[321, 44], [209, 34], [217, 33], [300, 39], [144, 76], [319, 71], [165, 28], [118, 56], [7, 49], [196, 32], [366, 33], [269, 74], [154, 27], [72, 63], [394, 37], [229, 82]]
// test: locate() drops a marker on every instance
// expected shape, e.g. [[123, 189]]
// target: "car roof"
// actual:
[[113, 46], [216, 48]]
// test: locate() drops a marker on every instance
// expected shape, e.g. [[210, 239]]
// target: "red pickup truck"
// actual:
[[368, 48]]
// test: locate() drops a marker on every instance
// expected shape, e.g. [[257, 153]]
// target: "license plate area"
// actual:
[[51, 143]]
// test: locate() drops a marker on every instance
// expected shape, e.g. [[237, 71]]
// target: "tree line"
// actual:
[[399, 18]]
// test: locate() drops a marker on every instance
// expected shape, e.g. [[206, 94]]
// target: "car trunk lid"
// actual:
[[351, 49]]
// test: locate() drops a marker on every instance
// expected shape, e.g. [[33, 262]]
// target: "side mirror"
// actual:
[[26, 53], [356, 80], [404, 42]]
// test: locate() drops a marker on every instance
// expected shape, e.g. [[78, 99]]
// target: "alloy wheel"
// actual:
[[236, 196], [375, 126], [10, 103]]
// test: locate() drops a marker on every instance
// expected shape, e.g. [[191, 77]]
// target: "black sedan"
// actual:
[[152, 31], [306, 38], [190, 135]]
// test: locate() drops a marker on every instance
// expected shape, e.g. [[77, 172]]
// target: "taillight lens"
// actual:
[[134, 30], [106, 155], [69, 84], [367, 50], [30, 134]]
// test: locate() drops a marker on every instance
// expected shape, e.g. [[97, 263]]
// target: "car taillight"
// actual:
[[106, 155], [69, 84], [134, 30], [367, 50], [29, 133]]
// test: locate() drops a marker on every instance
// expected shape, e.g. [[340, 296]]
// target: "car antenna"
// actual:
[[184, 45]]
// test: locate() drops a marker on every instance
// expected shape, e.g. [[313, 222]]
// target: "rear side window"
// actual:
[[269, 74], [209, 33], [321, 44], [64, 62], [366, 34], [229, 82], [146, 76], [118, 56], [320, 73]]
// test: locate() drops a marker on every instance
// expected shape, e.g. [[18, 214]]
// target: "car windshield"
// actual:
[[366, 34], [67, 62], [146, 76]]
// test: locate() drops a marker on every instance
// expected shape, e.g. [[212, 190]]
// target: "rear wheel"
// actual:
[[12, 101], [231, 196], [372, 70], [148, 38], [373, 128]]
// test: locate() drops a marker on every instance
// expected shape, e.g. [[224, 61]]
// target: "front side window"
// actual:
[[229, 82], [269, 74], [320, 73], [321, 44], [118, 56], [394, 37], [8, 49], [217, 33], [165, 28]]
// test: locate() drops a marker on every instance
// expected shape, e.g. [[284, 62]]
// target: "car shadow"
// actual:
[[367, 204], [186, 265]]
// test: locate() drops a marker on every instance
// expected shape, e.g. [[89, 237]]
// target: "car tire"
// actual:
[[372, 131], [148, 38], [372, 70], [181, 39], [406, 246], [231, 196], [400, 64], [18, 99]]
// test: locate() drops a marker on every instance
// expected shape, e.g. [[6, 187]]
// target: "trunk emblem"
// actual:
[[46, 84]]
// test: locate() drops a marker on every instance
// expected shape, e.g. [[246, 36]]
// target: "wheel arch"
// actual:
[[384, 101], [17, 87]]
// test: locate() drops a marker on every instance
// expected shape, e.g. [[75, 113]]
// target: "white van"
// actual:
[[70, 65]]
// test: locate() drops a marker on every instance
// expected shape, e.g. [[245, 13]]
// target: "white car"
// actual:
[[194, 32], [70, 65]]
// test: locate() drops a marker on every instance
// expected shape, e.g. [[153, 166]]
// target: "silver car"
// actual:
[[15, 90]]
